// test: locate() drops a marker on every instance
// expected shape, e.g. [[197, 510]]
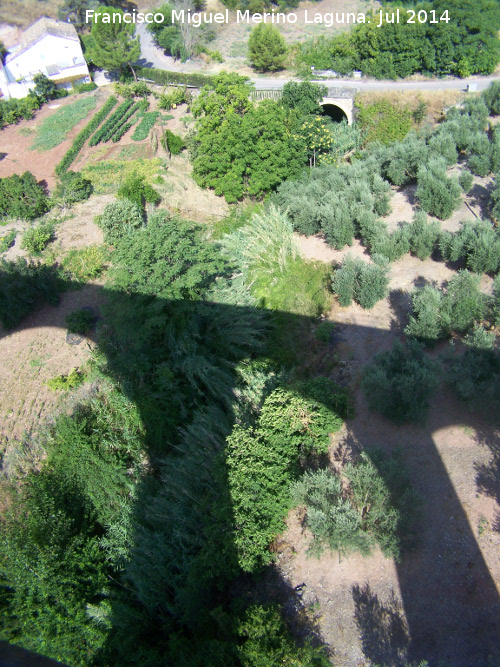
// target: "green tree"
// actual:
[[111, 44], [22, 197], [304, 97], [167, 34], [45, 88], [267, 48], [240, 149], [74, 10]]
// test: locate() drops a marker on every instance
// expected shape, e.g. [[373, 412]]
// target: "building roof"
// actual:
[[41, 29]]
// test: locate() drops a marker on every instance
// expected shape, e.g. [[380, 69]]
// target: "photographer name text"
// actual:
[[328, 19]]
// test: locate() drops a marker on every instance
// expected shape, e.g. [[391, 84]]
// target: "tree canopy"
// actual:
[[111, 44]]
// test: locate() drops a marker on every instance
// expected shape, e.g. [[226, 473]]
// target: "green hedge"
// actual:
[[82, 136], [164, 78]]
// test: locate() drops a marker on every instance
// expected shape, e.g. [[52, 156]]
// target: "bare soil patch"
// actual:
[[33, 353]]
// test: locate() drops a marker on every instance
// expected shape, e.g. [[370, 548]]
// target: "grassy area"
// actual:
[[54, 129], [107, 175], [23, 14]]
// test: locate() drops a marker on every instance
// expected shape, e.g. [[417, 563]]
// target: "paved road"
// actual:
[[361, 85], [152, 56]]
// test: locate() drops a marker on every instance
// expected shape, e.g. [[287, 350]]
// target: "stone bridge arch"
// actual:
[[339, 104]]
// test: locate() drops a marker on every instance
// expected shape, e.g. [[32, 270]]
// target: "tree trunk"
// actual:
[[133, 71]]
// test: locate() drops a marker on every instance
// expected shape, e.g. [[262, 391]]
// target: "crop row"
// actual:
[[125, 127], [148, 121], [83, 135], [107, 130]]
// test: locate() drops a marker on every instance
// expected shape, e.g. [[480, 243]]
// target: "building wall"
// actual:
[[58, 58]]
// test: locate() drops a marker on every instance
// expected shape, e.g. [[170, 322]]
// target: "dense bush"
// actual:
[[173, 98], [240, 149], [496, 300], [22, 197], [24, 286], [85, 87], [267, 48], [304, 97], [290, 427], [53, 564], [36, 239], [7, 241], [136, 190], [79, 321], [82, 136], [475, 378], [266, 253], [82, 264], [268, 642], [436, 313], [173, 143], [491, 97], [119, 219], [495, 200], [369, 511], [334, 200], [465, 179], [72, 188], [11, 111], [383, 121], [477, 243], [436, 193], [46, 88], [364, 283], [400, 382], [167, 257]]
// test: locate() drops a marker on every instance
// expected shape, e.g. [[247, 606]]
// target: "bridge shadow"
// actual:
[[450, 601]]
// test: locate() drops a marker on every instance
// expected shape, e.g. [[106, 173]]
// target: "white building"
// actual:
[[50, 47]]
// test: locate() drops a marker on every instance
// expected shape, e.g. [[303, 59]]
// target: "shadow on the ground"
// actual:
[[384, 633], [450, 602]]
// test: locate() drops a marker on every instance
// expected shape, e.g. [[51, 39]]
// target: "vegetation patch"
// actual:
[[36, 239], [107, 175], [54, 129], [7, 241], [84, 264], [375, 507], [82, 136], [66, 382], [147, 123]]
